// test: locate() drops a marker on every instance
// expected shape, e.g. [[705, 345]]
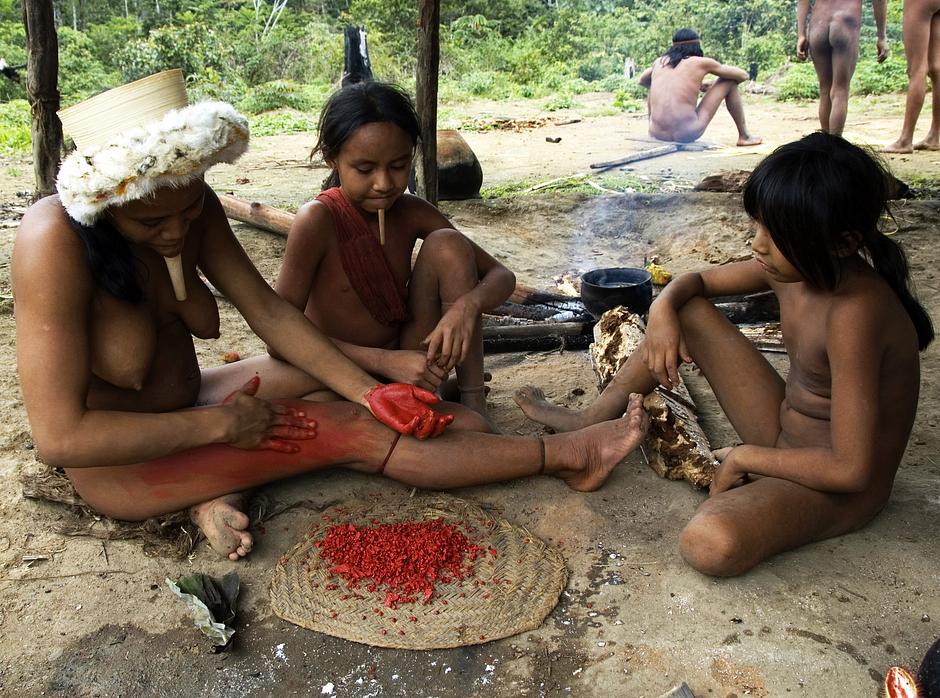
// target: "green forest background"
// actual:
[[279, 61]]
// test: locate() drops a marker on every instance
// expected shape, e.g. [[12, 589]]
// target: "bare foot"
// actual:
[[536, 407], [928, 144], [224, 525], [749, 140], [897, 147], [585, 458]]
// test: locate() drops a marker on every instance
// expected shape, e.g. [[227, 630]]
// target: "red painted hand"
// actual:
[[406, 409]]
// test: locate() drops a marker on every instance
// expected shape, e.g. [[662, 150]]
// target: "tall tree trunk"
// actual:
[[429, 58], [42, 75]]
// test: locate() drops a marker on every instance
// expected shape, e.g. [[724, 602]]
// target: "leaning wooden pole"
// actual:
[[428, 65], [42, 90]]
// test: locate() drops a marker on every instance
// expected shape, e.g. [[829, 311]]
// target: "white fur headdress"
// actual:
[[131, 141]]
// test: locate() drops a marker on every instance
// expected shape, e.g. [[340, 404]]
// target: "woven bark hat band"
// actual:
[[140, 137]]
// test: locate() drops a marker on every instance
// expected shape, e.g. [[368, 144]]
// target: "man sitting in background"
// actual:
[[674, 82]]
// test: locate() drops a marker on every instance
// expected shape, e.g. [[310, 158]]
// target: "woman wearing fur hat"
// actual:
[[108, 301]]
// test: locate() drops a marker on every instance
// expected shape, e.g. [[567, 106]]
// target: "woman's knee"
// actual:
[[713, 545]]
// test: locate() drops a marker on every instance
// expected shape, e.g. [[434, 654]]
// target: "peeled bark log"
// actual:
[[676, 448]]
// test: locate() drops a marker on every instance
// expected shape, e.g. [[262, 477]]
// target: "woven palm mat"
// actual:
[[508, 593]]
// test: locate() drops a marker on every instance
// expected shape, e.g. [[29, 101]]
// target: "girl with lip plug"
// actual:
[[348, 262], [820, 449]]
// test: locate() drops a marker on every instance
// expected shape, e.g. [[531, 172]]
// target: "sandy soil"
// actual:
[[95, 618]]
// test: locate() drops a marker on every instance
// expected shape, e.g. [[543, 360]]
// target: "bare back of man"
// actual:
[[676, 114], [833, 46]]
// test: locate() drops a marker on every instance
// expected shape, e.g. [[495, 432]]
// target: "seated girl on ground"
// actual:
[[108, 367], [821, 449], [401, 323]]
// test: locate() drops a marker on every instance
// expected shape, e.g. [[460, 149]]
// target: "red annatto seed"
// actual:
[[333, 614], [405, 561], [401, 632], [413, 619]]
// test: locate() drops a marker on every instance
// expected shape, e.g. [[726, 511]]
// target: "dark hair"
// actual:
[[685, 42], [357, 105], [113, 265], [819, 193]]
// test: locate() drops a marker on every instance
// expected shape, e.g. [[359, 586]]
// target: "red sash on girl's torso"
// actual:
[[364, 261]]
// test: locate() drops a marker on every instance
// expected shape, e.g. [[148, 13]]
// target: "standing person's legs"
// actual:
[[749, 390], [932, 140], [917, 27], [820, 52], [443, 272], [843, 38]]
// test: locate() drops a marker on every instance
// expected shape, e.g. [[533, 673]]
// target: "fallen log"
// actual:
[[509, 334], [274, 220], [752, 309], [676, 448]]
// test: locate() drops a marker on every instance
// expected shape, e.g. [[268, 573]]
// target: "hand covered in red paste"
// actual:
[[406, 409], [259, 424]]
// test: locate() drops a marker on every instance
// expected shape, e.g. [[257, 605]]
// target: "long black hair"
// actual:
[[685, 42], [112, 263], [357, 105], [819, 194]]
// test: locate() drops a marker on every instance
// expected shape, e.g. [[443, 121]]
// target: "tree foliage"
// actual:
[[276, 54]]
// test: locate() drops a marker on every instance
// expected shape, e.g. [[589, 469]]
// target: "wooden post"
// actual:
[[428, 64], [42, 77]]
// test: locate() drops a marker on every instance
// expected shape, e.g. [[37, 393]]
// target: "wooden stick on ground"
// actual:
[[636, 157]]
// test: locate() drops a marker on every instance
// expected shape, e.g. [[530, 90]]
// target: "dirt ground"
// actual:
[[95, 619]]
